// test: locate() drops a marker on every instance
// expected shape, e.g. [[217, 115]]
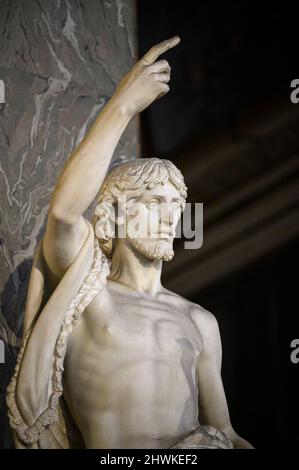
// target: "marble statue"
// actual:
[[110, 358]]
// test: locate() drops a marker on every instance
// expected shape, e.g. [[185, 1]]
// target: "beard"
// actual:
[[153, 249]]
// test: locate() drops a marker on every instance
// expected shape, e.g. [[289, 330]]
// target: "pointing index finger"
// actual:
[[152, 55]]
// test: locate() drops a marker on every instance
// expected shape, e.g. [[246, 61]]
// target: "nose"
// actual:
[[166, 217]]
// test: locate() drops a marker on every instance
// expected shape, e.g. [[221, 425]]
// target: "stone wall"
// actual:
[[60, 61]]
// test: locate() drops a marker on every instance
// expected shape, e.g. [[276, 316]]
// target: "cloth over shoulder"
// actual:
[[34, 393]]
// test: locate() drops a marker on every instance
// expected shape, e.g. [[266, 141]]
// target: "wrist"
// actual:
[[121, 107]]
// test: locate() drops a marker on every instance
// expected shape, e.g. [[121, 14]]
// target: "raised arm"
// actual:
[[86, 168], [213, 409]]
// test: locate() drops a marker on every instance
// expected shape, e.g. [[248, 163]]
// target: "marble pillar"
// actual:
[[60, 61]]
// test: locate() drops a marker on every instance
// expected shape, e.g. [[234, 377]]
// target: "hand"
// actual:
[[147, 81]]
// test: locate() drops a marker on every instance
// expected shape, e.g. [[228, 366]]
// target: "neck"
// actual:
[[135, 270]]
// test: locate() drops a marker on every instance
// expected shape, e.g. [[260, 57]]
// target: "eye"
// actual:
[[175, 206], [154, 204]]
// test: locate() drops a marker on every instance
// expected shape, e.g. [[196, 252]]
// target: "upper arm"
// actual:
[[62, 242], [213, 409]]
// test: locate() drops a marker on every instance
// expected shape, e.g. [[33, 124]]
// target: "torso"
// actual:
[[130, 370]]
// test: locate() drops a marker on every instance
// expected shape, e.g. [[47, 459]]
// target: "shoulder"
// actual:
[[203, 319], [205, 323]]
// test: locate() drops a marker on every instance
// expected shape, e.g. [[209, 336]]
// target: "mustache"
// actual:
[[164, 231]]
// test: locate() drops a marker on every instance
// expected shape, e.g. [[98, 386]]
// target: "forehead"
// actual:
[[162, 190]]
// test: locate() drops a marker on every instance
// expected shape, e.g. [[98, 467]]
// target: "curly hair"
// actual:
[[131, 179]]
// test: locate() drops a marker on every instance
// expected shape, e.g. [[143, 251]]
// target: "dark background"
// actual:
[[228, 119]]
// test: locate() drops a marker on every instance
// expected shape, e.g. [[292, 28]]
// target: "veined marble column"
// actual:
[[60, 61]]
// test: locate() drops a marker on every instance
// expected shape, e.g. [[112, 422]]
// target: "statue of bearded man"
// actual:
[[111, 359]]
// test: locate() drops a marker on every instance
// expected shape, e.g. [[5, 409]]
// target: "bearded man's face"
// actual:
[[151, 221]]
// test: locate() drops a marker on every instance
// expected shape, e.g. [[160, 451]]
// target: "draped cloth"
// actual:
[[204, 437], [34, 395]]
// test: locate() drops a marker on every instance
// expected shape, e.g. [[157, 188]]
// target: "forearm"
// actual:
[[85, 170]]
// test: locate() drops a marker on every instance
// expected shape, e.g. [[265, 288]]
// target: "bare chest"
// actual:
[[131, 326]]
